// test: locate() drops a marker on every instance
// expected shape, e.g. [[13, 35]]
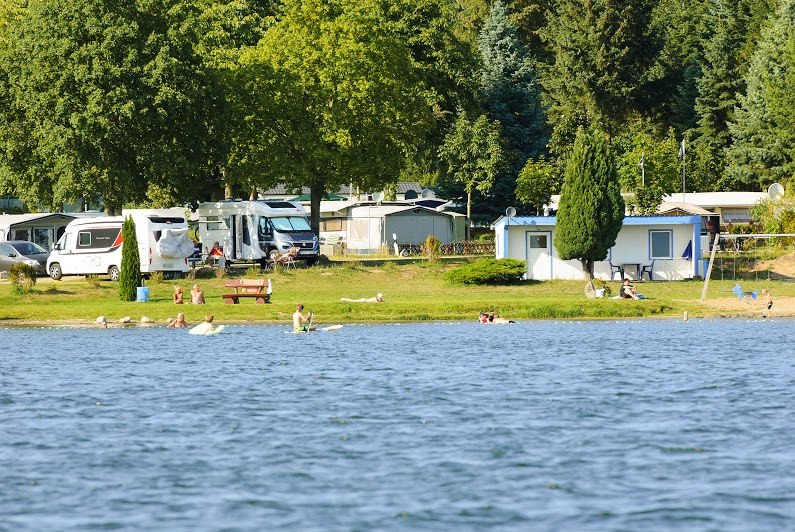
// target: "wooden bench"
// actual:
[[247, 288]]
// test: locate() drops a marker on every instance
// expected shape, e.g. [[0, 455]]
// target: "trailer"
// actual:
[[257, 231]]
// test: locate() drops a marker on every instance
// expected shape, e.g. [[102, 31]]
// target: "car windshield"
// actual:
[[290, 223], [28, 248]]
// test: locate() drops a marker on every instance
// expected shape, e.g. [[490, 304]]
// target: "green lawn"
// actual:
[[412, 292]]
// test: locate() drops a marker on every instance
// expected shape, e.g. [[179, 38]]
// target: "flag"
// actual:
[[682, 150]]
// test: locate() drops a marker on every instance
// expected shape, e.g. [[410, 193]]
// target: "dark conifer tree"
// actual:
[[130, 275], [591, 209]]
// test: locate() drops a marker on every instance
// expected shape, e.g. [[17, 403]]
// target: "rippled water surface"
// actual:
[[636, 425]]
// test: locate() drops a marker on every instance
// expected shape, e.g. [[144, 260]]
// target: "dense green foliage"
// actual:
[[130, 274], [160, 102], [488, 271], [591, 209]]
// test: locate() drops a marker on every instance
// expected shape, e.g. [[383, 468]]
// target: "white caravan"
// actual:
[[255, 231], [92, 246]]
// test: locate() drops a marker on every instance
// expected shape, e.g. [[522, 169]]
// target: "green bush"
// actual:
[[488, 271], [432, 247], [22, 277]]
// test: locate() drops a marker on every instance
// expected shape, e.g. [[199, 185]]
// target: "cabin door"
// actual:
[[539, 255]]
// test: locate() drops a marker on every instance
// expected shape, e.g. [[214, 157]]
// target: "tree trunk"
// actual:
[[316, 191], [253, 195], [587, 267], [228, 193]]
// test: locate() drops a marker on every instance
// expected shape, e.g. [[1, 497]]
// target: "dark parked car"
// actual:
[[16, 251]]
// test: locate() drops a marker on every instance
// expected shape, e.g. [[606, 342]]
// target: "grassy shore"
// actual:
[[412, 292]]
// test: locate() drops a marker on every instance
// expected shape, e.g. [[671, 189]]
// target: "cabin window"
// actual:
[[83, 239], [661, 244], [332, 224]]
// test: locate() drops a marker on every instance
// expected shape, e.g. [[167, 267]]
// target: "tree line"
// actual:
[[163, 102]]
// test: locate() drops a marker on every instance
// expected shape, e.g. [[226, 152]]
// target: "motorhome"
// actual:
[[93, 246], [257, 231]]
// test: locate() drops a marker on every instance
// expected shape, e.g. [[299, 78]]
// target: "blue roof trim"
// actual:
[[628, 220]]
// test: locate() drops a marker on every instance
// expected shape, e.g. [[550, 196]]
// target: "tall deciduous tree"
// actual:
[[604, 54], [648, 166], [338, 99], [130, 274], [510, 95], [591, 210], [763, 132], [104, 99], [537, 181], [473, 154], [227, 28]]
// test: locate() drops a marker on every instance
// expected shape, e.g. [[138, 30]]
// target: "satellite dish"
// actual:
[[378, 196], [410, 194], [427, 193], [510, 212], [775, 191]]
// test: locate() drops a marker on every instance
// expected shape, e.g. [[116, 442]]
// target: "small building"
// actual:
[[664, 245], [368, 227], [732, 207], [43, 228]]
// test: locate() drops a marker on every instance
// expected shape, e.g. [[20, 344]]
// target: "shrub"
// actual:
[[488, 271], [22, 277], [432, 247], [156, 277], [601, 283], [92, 281]]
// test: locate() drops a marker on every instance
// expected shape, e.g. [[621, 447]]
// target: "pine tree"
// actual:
[[763, 131], [130, 275], [605, 55], [510, 95], [591, 210], [722, 79]]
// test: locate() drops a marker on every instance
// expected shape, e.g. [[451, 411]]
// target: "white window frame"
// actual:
[[670, 234]]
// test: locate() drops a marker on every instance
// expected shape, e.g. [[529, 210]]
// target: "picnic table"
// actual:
[[255, 288]]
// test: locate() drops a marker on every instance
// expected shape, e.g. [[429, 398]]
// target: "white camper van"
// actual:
[[92, 246], [254, 231]]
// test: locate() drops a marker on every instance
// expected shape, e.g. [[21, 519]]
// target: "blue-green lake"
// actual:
[[610, 425]]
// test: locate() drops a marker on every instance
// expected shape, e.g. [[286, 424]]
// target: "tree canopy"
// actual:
[[104, 99]]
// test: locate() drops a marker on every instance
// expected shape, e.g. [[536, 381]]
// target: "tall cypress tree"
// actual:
[[130, 275], [591, 210], [763, 132]]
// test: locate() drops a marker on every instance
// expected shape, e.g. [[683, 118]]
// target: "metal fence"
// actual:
[[470, 247], [753, 256]]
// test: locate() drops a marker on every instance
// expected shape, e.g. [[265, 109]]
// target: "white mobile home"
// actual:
[[661, 247], [368, 227]]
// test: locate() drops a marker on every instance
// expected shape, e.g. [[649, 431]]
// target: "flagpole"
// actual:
[[682, 155]]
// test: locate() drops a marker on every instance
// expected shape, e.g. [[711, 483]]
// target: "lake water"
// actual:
[[631, 425]]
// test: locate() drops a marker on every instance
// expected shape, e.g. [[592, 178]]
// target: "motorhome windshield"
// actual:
[[288, 224]]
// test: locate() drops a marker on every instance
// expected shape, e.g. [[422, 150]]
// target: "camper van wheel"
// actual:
[[113, 272], [55, 271], [273, 253]]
